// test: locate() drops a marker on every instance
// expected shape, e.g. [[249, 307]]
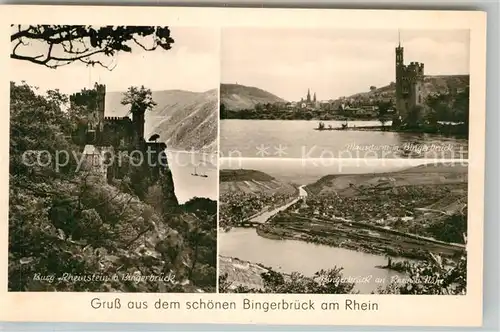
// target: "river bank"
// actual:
[[356, 236], [256, 255], [458, 131]]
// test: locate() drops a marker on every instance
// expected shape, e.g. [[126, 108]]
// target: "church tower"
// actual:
[[308, 96], [314, 98]]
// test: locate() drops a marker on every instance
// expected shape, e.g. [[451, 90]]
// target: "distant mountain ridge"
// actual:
[[185, 120], [237, 97], [432, 84]]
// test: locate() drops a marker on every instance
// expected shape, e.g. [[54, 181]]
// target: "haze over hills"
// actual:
[[185, 120], [251, 182], [238, 97], [432, 84], [349, 185]]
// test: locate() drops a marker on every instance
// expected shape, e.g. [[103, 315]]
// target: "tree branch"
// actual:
[[81, 43]]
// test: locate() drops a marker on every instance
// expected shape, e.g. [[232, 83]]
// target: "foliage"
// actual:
[[450, 107], [450, 229], [63, 221], [323, 282], [33, 117], [431, 277], [224, 284], [139, 98], [383, 111], [87, 44]]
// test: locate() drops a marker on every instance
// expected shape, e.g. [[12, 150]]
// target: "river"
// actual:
[[263, 217], [298, 256], [307, 258], [298, 139], [183, 165]]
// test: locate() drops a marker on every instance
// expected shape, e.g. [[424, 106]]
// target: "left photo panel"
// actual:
[[113, 175]]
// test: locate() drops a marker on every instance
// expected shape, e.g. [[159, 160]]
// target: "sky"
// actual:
[[193, 64], [334, 63]]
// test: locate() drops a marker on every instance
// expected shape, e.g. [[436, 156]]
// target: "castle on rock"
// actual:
[[104, 137]]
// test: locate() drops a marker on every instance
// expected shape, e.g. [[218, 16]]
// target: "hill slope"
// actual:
[[251, 182], [237, 97], [185, 120], [432, 84], [354, 184]]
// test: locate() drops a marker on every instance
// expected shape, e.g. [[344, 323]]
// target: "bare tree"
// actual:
[[66, 44]]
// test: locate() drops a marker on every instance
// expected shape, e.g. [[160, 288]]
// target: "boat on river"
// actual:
[[195, 173], [321, 126]]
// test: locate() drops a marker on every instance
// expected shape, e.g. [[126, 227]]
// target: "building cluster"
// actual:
[[102, 138], [359, 105], [402, 96]]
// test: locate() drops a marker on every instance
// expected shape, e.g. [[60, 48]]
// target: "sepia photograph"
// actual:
[[173, 165], [113, 159], [344, 93], [375, 226]]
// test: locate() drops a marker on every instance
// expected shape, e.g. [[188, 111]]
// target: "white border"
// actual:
[[394, 310]]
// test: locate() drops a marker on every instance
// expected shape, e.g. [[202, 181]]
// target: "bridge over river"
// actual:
[[263, 216]]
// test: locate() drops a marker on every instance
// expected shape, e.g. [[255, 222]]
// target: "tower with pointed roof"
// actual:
[[409, 83]]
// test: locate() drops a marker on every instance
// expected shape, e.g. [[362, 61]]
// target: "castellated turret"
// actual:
[[415, 70], [101, 102], [409, 84]]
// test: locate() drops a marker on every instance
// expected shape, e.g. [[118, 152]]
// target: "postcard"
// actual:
[[249, 166]]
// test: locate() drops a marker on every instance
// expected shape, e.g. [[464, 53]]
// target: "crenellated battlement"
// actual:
[[117, 118], [415, 68], [100, 88]]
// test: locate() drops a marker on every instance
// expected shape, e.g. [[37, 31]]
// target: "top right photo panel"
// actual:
[[306, 93]]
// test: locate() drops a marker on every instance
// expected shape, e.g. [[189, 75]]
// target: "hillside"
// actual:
[[238, 97], [185, 120], [251, 182], [354, 184], [432, 84], [79, 222], [243, 175], [397, 213]]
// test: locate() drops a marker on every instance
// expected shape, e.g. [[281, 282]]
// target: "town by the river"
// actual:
[[290, 217]]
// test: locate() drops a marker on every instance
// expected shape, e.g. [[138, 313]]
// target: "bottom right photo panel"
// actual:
[[320, 226]]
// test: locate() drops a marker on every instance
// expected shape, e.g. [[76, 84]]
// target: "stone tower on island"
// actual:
[[409, 84]]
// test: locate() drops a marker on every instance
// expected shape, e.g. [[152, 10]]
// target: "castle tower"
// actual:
[[400, 69], [409, 88], [138, 124], [308, 96], [100, 106], [93, 100]]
